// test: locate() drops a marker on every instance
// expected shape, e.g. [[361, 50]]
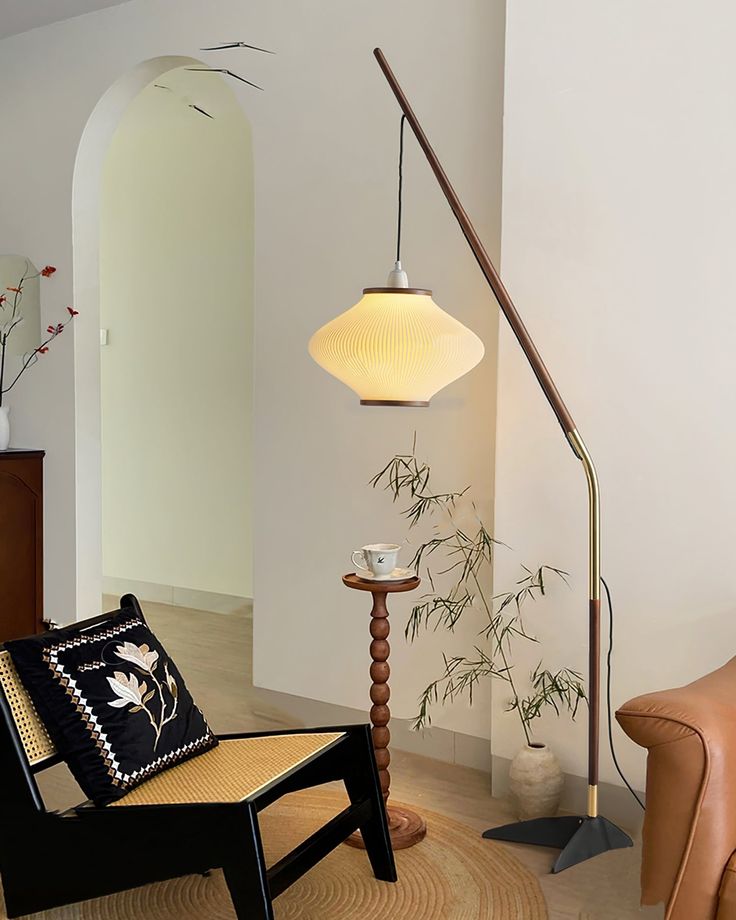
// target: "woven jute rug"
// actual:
[[452, 875]]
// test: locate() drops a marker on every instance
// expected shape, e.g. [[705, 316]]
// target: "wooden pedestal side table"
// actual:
[[407, 828]]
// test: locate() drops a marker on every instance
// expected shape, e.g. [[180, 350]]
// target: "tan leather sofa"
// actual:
[[689, 858]]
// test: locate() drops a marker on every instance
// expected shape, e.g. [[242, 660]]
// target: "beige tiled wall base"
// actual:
[[455, 748], [615, 802], [210, 601], [437, 743]]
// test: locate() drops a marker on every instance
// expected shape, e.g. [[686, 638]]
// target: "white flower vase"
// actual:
[[535, 782], [4, 427]]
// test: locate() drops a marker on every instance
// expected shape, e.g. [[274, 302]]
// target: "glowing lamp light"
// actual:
[[396, 347]]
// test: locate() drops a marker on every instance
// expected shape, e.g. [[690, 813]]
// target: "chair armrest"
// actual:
[[690, 822]]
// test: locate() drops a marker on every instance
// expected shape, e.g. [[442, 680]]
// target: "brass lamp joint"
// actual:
[[594, 503], [592, 801]]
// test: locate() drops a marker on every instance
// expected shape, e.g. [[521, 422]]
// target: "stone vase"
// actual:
[[4, 428], [535, 782]]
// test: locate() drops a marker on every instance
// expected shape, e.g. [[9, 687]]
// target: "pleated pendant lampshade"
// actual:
[[396, 347]]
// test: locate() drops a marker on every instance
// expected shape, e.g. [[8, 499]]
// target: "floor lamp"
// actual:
[[579, 837]]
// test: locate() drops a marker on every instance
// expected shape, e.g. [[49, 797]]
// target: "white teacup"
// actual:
[[377, 558]]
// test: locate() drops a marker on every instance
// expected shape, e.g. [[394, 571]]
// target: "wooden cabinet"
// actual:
[[21, 543]]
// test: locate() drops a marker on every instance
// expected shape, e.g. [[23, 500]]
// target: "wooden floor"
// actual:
[[214, 653]]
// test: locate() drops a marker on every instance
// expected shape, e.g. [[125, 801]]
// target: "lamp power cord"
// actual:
[[401, 187], [608, 694]]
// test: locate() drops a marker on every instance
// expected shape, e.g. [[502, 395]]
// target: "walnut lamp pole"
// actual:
[[382, 348]]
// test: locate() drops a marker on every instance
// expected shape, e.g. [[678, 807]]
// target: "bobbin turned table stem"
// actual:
[[407, 828]]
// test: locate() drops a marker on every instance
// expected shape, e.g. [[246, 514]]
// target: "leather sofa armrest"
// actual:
[[690, 822]]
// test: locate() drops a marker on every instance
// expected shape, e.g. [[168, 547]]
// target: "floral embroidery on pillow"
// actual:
[[129, 691]]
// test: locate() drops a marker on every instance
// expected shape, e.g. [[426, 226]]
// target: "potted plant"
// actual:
[[460, 585], [11, 317]]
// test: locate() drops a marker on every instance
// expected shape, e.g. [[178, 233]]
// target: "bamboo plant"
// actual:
[[465, 556]]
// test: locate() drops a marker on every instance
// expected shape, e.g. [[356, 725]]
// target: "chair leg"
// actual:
[[362, 783], [246, 875]]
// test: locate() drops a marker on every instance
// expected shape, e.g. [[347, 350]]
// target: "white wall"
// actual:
[[176, 282], [325, 138], [619, 208]]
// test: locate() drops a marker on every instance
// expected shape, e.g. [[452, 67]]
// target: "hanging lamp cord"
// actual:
[[401, 187]]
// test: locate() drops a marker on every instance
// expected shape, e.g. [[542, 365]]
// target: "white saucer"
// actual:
[[397, 575]]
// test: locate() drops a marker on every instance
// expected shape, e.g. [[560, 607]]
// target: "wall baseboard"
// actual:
[[615, 802], [174, 596], [452, 747], [437, 743]]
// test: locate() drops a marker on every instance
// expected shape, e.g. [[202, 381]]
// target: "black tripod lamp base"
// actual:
[[579, 838]]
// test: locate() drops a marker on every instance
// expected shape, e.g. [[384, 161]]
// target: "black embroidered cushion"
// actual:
[[112, 701]]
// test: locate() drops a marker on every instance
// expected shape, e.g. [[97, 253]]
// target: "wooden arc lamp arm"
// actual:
[[558, 407]]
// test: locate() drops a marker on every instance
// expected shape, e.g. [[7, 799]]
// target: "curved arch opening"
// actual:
[[163, 264]]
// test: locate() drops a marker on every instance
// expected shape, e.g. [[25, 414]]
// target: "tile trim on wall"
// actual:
[[451, 747], [210, 601], [437, 743], [615, 802]]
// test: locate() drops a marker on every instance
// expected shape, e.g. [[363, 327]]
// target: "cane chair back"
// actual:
[[36, 743]]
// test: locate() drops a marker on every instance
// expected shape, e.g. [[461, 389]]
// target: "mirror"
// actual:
[[27, 335]]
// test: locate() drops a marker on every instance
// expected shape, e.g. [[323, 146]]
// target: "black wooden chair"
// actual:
[[199, 815]]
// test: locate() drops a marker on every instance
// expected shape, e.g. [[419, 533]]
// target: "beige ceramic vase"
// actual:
[[4, 428], [535, 782]]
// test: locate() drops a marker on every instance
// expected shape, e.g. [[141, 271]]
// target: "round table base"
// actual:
[[407, 828]]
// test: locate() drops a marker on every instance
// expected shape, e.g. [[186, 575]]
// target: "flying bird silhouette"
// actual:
[[190, 105], [228, 72], [227, 45]]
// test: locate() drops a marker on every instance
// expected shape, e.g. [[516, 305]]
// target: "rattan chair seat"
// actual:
[[236, 769], [199, 814]]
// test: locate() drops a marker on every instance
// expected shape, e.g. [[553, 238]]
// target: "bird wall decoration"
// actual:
[[185, 100], [225, 71], [227, 45]]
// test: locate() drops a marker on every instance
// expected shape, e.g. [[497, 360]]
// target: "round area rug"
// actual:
[[452, 875]]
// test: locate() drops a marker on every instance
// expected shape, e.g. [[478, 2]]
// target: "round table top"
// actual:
[[380, 587]]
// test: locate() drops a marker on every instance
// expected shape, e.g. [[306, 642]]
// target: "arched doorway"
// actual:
[[163, 257]]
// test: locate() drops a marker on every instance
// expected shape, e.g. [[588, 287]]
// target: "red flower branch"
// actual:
[[15, 318]]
